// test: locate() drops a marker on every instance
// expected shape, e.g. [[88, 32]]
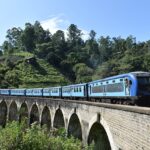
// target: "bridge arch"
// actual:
[[59, 119], [3, 113], [74, 126], [46, 117], [13, 112], [34, 114], [23, 112], [99, 134]]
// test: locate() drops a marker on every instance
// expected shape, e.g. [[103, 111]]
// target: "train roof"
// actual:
[[34, 89], [73, 85], [135, 74], [52, 87], [18, 89]]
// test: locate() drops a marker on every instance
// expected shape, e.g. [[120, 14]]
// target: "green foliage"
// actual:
[[18, 137], [23, 54], [35, 138], [10, 136], [72, 57], [83, 73]]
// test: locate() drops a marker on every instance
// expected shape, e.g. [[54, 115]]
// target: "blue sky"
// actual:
[[106, 17]]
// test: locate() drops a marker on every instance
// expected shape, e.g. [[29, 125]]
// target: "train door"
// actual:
[[89, 89], [104, 89], [85, 90], [71, 91], [60, 92], [127, 87]]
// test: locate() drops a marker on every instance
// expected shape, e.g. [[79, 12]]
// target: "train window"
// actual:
[[117, 87], [121, 79], [144, 84], [144, 80], [76, 89], [107, 82], [113, 81], [79, 89], [98, 89]]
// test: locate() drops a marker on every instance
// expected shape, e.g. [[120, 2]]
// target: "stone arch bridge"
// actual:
[[109, 126]]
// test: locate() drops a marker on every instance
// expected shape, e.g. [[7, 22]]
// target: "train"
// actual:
[[131, 88]]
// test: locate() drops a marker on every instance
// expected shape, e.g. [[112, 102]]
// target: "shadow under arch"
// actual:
[[98, 137], [13, 112], [34, 114], [23, 112], [46, 117], [74, 127], [3, 113], [59, 119]]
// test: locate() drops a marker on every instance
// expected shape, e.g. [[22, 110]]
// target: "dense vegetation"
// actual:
[[34, 57], [19, 137]]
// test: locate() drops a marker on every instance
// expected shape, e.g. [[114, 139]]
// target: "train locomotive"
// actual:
[[131, 88]]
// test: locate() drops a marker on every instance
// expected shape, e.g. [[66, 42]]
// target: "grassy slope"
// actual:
[[40, 75], [37, 74]]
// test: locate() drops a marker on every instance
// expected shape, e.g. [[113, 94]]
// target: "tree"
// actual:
[[7, 48], [42, 50], [59, 43], [28, 38], [41, 36], [13, 36], [92, 35], [74, 38], [92, 51], [83, 73], [105, 48]]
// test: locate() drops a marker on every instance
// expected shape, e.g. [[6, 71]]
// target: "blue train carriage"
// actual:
[[66, 91], [47, 91], [124, 88], [18, 92], [79, 91], [37, 92], [29, 92], [75, 91], [56, 91], [5, 91]]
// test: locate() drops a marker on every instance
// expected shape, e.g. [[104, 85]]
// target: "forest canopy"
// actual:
[[76, 59]]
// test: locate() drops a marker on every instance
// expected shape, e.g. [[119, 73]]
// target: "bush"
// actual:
[[18, 137]]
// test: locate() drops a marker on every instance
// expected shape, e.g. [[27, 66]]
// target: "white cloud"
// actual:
[[55, 23], [85, 35], [60, 23]]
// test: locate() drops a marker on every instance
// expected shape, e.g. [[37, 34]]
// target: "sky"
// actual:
[[112, 18]]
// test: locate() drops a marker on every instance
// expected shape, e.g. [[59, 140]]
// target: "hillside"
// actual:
[[29, 72], [33, 57]]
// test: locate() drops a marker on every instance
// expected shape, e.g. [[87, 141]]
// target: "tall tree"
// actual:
[[105, 48], [74, 38], [59, 43], [41, 36], [28, 38], [13, 36]]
